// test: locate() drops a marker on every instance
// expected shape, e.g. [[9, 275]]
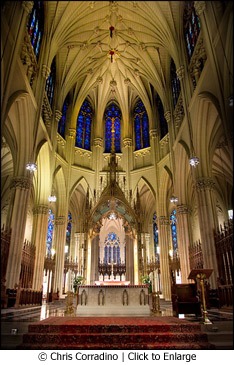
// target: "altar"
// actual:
[[116, 300]]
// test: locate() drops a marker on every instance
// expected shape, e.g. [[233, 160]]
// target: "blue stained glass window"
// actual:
[[175, 84], [62, 121], [173, 222], [50, 82], [141, 126], [83, 126], [191, 27], [155, 232], [36, 25], [112, 128], [50, 231]]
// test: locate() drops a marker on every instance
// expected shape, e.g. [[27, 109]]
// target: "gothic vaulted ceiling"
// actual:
[[113, 49]]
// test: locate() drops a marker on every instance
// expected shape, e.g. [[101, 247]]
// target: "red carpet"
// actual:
[[114, 333]]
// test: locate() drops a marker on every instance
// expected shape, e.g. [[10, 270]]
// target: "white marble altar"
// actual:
[[113, 300]]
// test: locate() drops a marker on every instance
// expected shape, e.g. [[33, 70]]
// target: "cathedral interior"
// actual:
[[117, 147]]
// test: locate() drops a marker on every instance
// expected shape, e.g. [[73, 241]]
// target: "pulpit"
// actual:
[[200, 275]]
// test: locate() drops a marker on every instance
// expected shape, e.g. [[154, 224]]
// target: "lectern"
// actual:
[[200, 275]]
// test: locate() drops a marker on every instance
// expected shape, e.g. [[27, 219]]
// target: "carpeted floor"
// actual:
[[115, 333]]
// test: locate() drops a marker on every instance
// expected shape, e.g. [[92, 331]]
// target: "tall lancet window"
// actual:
[[175, 84], [155, 234], [83, 126], [162, 120], [50, 230], [191, 27], [68, 234], [173, 222], [62, 121], [141, 126], [112, 128], [50, 83], [36, 25]]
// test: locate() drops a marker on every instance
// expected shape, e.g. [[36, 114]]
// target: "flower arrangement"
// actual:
[[78, 280], [146, 280]]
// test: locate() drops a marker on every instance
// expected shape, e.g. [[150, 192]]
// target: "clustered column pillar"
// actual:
[[164, 257], [207, 222], [60, 236], [17, 216], [40, 226], [184, 239]]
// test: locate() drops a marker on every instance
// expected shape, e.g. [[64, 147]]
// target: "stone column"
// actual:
[[39, 232], [87, 263], [94, 260], [163, 229], [129, 260], [16, 221], [136, 262], [60, 239], [97, 162], [184, 239], [208, 223], [147, 245], [70, 147], [127, 161]]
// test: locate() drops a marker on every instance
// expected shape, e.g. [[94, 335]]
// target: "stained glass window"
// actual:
[[83, 126], [155, 233], [50, 83], [50, 230], [112, 249], [191, 27], [112, 128], [62, 121], [36, 25], [175, 83], [173, 222], [141, 126], [68, 231], [162, 121]]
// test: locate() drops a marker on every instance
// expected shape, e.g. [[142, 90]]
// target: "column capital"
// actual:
[[127, 142], [45, 71], [59, 221], [199, 6], [183, 209], [72, 132], [153, 133], [163, 221], [98, 142], [167, 116], [57, 115], [204, 183], [180, 72], [27, 6], [41, 209], [21, 182]]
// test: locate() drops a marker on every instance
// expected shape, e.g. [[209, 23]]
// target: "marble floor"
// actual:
[[14, 322]]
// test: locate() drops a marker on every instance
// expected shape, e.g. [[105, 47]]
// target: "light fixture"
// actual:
[[52, 198], [112, 215], [194, 161], [174, 199], [31, 166]]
